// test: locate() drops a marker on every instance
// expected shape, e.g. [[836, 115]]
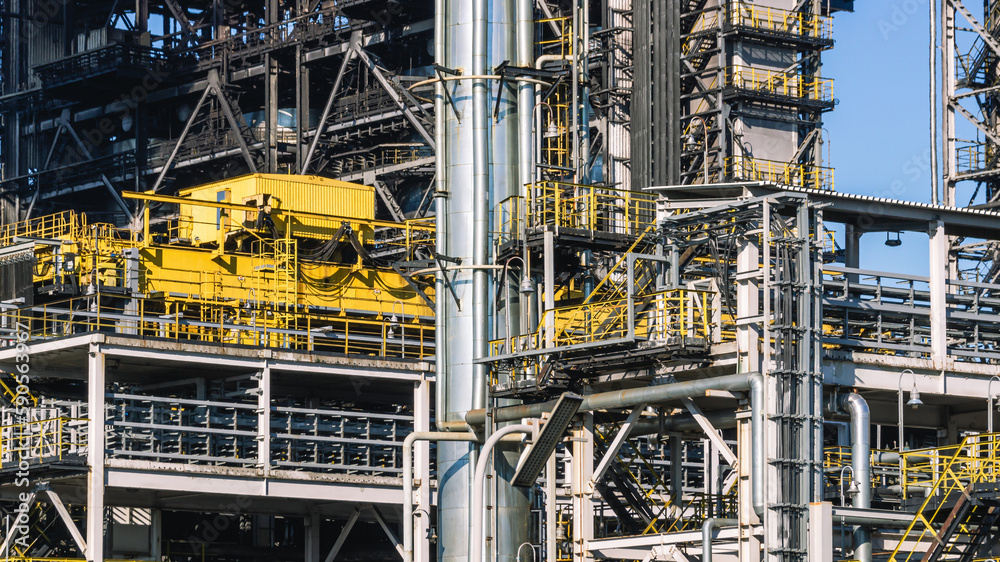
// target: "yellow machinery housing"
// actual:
[[280, 261]]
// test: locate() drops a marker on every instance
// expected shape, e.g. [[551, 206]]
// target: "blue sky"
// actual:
[[879, 131]]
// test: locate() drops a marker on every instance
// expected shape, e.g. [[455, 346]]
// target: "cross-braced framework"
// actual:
[[101, 97]]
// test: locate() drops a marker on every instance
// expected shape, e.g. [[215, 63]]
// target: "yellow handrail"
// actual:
[[800, 175], [780, 83], [777, 20], [945, 471]]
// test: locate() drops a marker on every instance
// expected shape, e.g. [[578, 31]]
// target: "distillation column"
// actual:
[[477, 156]]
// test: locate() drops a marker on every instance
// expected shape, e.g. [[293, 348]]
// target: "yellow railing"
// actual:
[[617, 286], [947, 472], [509, 218], [780, 83], [800, 175], [59, 225], [591, 207], [274, 325], [707, 20], [974, 157], [42, 439], [836, 458], [776, 20], [677, 313]]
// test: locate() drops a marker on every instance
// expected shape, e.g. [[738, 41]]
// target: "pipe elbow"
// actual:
[[855, 405], [706, 539]]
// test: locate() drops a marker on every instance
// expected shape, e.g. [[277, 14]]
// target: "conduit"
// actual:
[[476, 532], [408, 478], [854, 404]]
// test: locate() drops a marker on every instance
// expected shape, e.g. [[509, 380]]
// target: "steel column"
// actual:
[[95, 454]]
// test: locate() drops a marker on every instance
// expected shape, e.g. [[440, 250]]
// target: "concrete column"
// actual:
[[748, 332], [551, 548], [422, 472], [939, 293], [312, 525], [583, 470], [820, 548], [264, 419], [155, 533], [95, 455], [748, 337]]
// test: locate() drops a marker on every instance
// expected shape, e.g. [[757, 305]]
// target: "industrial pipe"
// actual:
[[476, 533], [872, 517], [658, 394], [758, 456], [861, 467], [408, 479], [620, 398], [684, 423], [706, 539], [480, 201], [440, 224], [706, 535]]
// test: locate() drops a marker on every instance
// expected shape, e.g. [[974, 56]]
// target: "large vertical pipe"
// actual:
[[933, 101], [477, 162], [525, 111], [861, 467], [440, 223], [512, 160], [480, 196], [757, 452], [455, 219]]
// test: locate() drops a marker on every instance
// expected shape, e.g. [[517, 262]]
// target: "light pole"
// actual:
[[704, 147], [914, 401], [989, 404], [401, 322], [852, 489]]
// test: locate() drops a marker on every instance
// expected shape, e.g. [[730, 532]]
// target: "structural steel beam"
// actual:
[[388, 531], [67, 520], [321, 125], [387, 85], [104, 178], [616, 444], [710, 431], [342, 537]]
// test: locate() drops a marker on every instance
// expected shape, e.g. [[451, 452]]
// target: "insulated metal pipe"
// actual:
[[408, 478], [758, 456], [621, 398], [476, 532], [480, 200], [706, 535], [861, 467], [440, 224], [935, 192], [706, 539], [456, 162]]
